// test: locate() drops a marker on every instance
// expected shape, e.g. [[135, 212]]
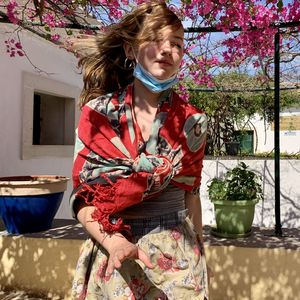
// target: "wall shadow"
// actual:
[[41, 263], [260, 267]]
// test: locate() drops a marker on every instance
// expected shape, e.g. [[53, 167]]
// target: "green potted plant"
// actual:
[[234, 197]]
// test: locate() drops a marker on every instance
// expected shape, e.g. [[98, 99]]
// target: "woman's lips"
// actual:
[[164, 62]]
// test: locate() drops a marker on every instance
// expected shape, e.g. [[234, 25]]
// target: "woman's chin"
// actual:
[[162, 75]]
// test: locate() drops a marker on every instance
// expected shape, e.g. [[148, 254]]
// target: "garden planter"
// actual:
[[29, 203], [234, 218]]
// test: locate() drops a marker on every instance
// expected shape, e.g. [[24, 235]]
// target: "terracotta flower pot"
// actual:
[[29, 203]]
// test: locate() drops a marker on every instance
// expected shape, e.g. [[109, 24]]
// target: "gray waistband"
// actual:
[[140, 227], [170, 200]]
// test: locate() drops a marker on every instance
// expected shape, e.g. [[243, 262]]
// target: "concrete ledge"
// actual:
[[243, 273], [258, 267], [42, 263]]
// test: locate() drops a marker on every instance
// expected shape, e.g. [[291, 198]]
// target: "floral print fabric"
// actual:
[[179, 269]]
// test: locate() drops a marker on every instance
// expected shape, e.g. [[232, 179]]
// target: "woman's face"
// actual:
[[162, 57]]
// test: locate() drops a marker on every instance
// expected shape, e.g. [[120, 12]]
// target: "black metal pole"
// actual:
[[278, 229]]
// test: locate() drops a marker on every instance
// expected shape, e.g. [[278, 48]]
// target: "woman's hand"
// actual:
[[122, 249], [118, 247]]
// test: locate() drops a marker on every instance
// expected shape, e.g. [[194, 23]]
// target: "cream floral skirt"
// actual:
[[179, 269]]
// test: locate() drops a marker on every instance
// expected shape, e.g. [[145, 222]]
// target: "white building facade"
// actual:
[[289, 133], [52, 92]]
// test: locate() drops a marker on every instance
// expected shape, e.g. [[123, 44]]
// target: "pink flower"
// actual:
[[12, 12], [13, 47], [176, 234], [18, 45], [167, 262], [196, 250], [55, 37], [101, 272]]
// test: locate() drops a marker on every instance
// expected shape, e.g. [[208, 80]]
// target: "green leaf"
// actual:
[[279, 5], [47, 28]]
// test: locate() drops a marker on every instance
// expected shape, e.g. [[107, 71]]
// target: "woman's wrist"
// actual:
[[106, 240], [109, 241]]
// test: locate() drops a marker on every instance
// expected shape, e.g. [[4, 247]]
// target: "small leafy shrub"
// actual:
[[240, 183]]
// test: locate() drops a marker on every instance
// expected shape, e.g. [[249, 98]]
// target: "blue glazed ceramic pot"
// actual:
[[29, 203]]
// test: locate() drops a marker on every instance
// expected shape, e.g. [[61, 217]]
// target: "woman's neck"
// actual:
[[144, 98]]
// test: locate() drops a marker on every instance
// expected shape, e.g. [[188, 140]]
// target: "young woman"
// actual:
[[137, 165]]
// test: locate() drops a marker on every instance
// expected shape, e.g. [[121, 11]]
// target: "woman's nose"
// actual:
[[166, 47]]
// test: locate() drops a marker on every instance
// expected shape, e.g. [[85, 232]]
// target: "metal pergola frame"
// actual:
[[278, 26]]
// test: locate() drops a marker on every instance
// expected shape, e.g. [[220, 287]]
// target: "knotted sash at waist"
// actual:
[[151, 174]]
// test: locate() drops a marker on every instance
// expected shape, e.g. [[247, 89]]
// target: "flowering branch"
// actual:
[[247, 28]]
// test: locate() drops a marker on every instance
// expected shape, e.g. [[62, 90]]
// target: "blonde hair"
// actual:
[[102, 57]]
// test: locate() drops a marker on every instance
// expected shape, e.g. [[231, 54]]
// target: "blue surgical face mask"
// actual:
[[153, 84]]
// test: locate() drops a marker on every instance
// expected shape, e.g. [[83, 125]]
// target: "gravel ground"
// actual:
[[21, 295]]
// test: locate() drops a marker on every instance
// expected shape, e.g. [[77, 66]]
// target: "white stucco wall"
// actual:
[[265, 210], [60, 66]]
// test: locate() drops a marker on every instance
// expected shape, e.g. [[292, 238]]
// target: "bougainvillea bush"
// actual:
[[251, 44]]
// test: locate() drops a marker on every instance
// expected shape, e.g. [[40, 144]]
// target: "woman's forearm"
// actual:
[[193, 204], [94, 228]]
